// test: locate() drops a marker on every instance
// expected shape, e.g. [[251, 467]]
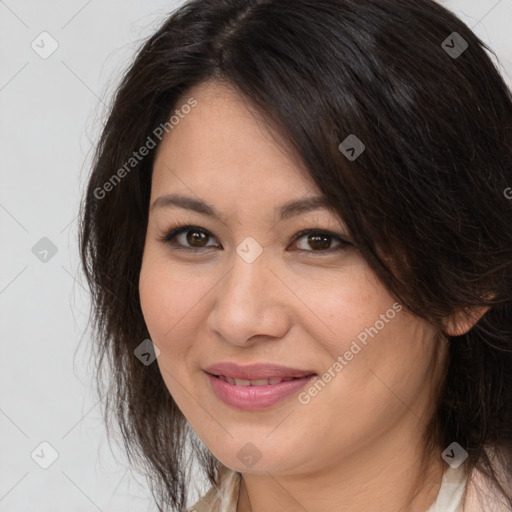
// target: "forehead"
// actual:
[[223, 142]]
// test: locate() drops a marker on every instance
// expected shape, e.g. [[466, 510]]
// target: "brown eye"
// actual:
[[319, 241], [192, 238], [196, 238], [188, 238]]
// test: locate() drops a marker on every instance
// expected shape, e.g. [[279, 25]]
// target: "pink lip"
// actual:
[[256, 371], [255, 397]]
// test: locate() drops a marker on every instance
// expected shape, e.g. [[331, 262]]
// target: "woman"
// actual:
[[298, 242]]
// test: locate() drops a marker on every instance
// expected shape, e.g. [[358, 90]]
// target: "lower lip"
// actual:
[[256, 397]]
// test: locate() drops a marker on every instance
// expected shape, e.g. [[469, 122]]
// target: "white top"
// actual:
[[451, 493]]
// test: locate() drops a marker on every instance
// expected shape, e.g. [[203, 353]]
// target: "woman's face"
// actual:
[[252, 292]]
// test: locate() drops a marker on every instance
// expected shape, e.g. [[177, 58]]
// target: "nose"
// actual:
[[251, 303]]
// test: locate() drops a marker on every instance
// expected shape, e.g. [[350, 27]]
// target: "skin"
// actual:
[[359, 441]]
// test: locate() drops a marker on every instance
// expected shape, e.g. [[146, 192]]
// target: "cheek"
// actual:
[[345, 307], [153, 296], [166, 296], [173, 303], [383, 378], [383, 349], [170, 302]]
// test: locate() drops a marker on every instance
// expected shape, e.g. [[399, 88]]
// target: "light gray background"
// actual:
[[51, 111]]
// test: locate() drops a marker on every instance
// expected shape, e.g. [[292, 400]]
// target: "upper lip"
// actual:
[[256, 371]]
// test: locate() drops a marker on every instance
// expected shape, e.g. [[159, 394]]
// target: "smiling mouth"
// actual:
[[256, 394], [257, 382]]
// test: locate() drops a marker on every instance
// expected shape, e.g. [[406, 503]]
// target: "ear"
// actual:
[[461, 322]]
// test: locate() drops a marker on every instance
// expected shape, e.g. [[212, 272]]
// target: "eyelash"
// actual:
[[183, 228]]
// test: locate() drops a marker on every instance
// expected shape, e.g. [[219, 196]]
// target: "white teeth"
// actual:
[[259, 382], [255, 382], [242, 382]]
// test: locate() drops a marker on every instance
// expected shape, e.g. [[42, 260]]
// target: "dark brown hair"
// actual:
[[424, 202]]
